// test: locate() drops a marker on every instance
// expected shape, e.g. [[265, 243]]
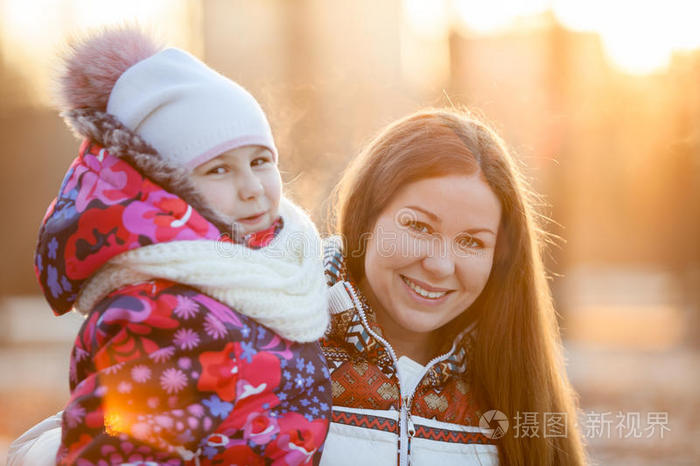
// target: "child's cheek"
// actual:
[[273, 189], [219, 195]]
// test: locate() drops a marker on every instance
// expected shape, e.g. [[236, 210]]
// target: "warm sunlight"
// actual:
[[592, 108], [638, 37], [31, 31], [485, 17], [427, 18]]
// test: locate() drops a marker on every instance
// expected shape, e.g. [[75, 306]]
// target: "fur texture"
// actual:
[[121, 142], [93, 64]]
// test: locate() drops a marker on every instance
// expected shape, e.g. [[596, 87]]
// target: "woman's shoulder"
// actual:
[[333, 259]]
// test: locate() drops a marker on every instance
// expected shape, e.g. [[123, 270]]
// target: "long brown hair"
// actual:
[[516, 364]]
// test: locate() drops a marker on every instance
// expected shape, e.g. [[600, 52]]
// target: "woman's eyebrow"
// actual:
[[430, 215], [473, 231]]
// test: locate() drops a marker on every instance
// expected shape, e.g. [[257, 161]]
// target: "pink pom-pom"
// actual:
[[93, 64]]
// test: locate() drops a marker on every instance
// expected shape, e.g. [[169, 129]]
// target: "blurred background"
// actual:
[[599, 100]]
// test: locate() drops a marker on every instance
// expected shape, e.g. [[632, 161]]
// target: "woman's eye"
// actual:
[[260, 161], [470, 242], [419, 227], [218, 170]]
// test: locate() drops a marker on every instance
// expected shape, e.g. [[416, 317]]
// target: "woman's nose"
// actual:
[[439, 264]]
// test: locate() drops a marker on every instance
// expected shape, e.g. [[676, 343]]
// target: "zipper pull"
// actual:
[[410, 430], [409, 423], [405, 405]]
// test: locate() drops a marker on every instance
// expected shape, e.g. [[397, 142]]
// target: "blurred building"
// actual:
[[616, 157]]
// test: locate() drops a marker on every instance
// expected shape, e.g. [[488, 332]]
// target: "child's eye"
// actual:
[[469, 242], [419, 227], [260, 161], [217, 170]]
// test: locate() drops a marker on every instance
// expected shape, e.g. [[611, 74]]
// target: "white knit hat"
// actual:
[[188, 112]]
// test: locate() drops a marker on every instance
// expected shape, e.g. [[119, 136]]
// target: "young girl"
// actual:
[[443, 342], [202, 286]]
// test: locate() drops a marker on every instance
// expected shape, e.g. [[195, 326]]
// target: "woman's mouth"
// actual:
[[425, 291]]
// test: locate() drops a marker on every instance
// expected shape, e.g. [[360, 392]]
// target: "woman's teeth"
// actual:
[[423, 292]]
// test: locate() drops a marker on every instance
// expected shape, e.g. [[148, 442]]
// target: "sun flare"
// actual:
[[638, 37]]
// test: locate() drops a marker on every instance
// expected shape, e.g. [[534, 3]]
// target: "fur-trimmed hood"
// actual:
[[106, 131], [117, 195]]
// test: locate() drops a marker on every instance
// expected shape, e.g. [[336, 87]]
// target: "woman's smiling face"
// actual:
[[430, 253]]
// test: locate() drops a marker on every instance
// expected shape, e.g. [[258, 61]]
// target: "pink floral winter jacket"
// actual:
[[161, 373]]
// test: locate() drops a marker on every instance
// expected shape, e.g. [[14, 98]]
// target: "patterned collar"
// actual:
[[348, 330], [262, 238]]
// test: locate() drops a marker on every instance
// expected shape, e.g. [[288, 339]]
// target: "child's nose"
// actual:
[[250, 187]]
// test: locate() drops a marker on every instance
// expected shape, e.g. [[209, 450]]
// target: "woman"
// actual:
[[441, 308]]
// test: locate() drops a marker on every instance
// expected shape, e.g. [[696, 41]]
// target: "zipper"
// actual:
[[403, 442], [406, 427], [410, 431], [438, 359]]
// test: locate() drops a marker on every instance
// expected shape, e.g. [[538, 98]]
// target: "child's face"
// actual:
[[244, 184]]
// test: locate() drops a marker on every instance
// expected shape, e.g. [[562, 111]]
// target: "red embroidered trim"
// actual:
[[366, 421], [424, 432], [451, 436]]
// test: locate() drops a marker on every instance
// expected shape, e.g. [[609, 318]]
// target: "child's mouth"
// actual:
[[253, 219]]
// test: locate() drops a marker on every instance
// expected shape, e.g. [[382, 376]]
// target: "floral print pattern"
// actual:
[[105, 207], [160, 373], [248, 397]]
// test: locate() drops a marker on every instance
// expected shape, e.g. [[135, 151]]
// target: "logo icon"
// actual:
[[495, 421]]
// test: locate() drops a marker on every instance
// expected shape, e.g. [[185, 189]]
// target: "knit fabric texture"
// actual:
[[188, 112], [281, 285]]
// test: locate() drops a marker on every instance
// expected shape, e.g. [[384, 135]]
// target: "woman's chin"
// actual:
[[419, 322]]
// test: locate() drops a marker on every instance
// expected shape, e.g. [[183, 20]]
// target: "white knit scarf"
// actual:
[[281, 285]]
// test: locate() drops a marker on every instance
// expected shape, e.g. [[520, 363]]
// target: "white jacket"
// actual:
[[365, 372], [348, 445], [37, 446]]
